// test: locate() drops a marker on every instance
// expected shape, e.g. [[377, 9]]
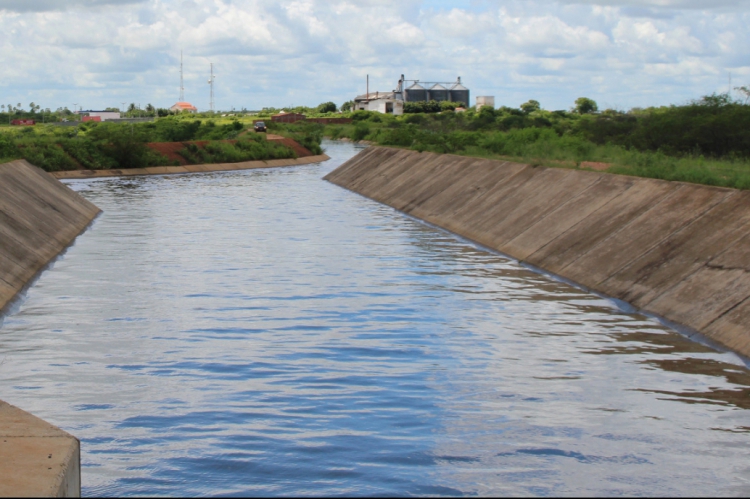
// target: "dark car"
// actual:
[[260, 127]]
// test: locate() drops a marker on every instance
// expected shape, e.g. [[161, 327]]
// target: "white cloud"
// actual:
[[104, 52]]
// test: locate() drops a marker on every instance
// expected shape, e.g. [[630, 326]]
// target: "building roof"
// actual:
[[185, 106], [374, 96]]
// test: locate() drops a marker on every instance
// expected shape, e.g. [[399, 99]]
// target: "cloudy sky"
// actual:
[[621, 53]]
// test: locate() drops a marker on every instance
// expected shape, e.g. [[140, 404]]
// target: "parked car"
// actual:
[[260, 127]]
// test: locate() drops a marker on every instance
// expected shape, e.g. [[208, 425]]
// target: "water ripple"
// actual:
[[266, 333]]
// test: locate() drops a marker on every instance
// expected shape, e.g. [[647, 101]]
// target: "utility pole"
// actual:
[[367, 93], [122, 109], [211, 83], [182, 88]]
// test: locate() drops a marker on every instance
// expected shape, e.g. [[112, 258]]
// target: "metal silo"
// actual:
[[438, 93], [459, 93], [415, 93]]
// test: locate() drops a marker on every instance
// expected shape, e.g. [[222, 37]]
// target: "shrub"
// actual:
[[361, 130], [88, 154], [45, 154]]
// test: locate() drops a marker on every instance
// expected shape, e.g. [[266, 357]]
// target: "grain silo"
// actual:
[[415, 93], [438, 93], [459, 93]]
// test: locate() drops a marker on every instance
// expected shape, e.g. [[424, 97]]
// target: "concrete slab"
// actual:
[[546, 191], [578, 224], [717, 291], [682, 253], [170, 170], [37, 459], [731, 328], [678, 208]]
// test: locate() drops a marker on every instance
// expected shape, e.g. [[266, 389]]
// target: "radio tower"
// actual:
[[182, 88], [211, 82]]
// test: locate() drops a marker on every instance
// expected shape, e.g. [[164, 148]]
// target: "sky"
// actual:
[[621, 53]]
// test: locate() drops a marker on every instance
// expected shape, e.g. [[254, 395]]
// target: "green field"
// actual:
[[704, 142]]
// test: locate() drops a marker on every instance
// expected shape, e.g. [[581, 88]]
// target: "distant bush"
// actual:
[[327, 107], [88, 154], [45, 154], [253, 148], [430, 106], [361, 130]]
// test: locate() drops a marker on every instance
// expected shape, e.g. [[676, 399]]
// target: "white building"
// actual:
[[487, 100], [381, 102], [102, 115]]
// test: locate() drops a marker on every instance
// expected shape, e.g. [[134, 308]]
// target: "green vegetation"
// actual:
[[251, 148], [95, 146], [430, 106], [706, 141], [308, 135]]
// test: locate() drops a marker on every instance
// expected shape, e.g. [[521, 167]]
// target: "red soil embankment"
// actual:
[[171, 149]]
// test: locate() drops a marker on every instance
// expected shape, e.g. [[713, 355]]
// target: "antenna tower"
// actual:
[[211, 82], [182, 88]]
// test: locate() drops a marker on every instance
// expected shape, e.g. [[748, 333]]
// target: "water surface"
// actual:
[[265, 332]]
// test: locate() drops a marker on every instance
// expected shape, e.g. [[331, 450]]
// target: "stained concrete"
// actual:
[[37, 459], [678, 250], [39, 218]]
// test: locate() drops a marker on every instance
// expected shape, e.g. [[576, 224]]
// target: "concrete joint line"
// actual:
[[672, 234], [558, 208], [622, 228]]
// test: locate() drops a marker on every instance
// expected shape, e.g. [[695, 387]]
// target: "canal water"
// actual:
[[265, 332]]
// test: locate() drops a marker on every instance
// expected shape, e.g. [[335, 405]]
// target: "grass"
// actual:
[[544, 147], [252, 148]]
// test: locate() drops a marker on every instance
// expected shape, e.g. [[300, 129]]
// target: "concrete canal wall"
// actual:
[[679, 250], [36, 458], [166, 170], [39, 218]]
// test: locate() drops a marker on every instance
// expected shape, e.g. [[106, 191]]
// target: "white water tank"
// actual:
[[486, 100]]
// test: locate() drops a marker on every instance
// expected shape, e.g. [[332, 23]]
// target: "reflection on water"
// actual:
[[265, 332]]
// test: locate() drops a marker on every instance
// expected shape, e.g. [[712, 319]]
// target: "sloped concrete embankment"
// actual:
[[678, 250], [168, 170], [39, 218]]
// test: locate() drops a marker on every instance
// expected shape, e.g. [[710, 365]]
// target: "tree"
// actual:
[[584, 105], [150, 109], [347, 106], [745, 90], [327, 107], [530, 106]]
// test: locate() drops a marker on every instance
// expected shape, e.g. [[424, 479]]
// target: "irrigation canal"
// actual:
[[264, 332]]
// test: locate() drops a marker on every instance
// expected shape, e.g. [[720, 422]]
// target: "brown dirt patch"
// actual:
[[595, 165], [302, 152]]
